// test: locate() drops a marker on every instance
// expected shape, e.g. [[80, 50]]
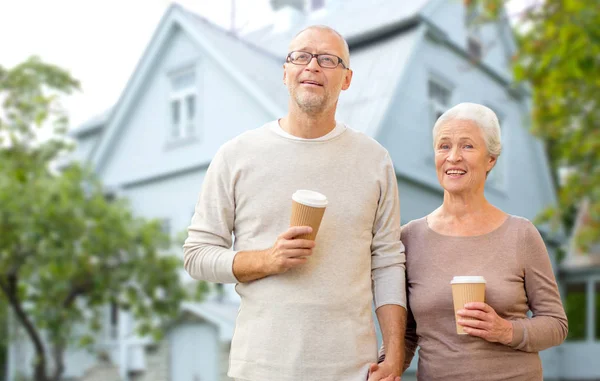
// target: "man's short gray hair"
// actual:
[[346, 53], [482, 116]]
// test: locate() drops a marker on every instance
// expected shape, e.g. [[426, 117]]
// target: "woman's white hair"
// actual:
[[482, 116]]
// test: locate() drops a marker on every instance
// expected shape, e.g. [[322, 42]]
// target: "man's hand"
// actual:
[[288, 252], [285, 254], [384, 372]]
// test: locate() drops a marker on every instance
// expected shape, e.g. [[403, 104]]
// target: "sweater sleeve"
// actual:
[[411, 340], [548, 325], [207, 250], [388, 270]]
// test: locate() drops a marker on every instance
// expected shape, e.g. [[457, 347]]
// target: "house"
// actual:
[[580, 287], [197, 86]]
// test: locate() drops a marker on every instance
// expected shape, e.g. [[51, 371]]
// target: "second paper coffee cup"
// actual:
[[466, 289]]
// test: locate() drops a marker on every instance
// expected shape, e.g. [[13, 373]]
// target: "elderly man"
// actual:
[[305, 311]]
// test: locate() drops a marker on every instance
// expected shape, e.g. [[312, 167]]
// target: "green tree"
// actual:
[[559, 58], [66, 250]]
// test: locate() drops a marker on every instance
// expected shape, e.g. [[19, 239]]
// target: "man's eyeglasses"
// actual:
[[328, 61]]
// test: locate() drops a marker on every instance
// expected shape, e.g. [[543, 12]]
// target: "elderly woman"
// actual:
[[467, 235]]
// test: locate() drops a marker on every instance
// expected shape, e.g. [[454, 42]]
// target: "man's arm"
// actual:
[[392, 321], [285, 254], [207, 249], [389, 276]]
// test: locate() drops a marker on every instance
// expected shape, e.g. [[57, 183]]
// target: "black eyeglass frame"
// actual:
[[340, 61]]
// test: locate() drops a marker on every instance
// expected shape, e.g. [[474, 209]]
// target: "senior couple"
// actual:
[[305, 312]]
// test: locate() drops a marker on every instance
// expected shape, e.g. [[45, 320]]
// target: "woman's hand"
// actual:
[[383, 372], [488, 325]]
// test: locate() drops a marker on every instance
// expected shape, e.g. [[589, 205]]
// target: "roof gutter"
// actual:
[[382, 32]]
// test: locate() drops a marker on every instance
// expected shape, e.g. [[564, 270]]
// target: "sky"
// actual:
[[101, 41]]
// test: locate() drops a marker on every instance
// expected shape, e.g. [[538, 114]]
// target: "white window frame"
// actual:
[[435, 106], [187, 127]]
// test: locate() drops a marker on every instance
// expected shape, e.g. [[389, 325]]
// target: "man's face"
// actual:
[[313, 88]]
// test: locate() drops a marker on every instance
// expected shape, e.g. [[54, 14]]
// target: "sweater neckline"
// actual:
[[275, 128], [496, 230]]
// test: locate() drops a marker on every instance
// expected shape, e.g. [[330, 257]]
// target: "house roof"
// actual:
[[201, 33], [374, 81], [221, 314], [356, 20], [93, 124], [259, 56], [576, 259]]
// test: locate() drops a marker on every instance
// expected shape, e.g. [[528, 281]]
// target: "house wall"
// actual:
[[495, 37], [143, 150], [520, 182]]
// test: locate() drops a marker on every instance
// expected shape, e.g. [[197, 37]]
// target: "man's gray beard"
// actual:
[[311, 106]]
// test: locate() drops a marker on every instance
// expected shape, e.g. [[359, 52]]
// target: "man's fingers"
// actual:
[[295, 253], [298, 244], [293, 262], [295, 231]]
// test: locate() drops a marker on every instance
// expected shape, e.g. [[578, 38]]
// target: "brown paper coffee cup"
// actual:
[[466, 289], [308, 208]]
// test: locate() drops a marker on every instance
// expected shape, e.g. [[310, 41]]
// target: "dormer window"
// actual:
[[182, 104], [473, 23]]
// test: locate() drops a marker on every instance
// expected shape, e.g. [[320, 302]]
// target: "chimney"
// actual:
[[279, 4], [286, 18]]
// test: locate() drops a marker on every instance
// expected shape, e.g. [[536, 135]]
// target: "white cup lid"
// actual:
[[310, 198], [467, 279]]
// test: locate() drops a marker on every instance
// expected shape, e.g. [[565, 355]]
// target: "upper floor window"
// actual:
[[473, 22], [439, 96], [182, 108]]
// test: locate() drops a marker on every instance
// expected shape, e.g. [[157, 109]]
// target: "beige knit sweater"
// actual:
[[313, 322], [514, 261]]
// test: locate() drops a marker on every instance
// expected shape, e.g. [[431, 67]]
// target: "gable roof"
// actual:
[[222, 315], [201, 32], [387, 28]]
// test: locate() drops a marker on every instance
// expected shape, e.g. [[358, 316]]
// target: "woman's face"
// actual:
[[461, 157]]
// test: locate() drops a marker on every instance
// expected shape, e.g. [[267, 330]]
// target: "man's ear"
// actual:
[[284, 75], [347, 79]]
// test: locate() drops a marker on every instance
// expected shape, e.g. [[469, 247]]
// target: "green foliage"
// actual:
[[66, 250], [558, 56]]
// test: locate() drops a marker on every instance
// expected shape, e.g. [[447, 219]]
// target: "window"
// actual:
[[474, 47], [496, 177], [597, 308], [114, 320], [473, 23], [576, 309], [439, 99], [183, 104]]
